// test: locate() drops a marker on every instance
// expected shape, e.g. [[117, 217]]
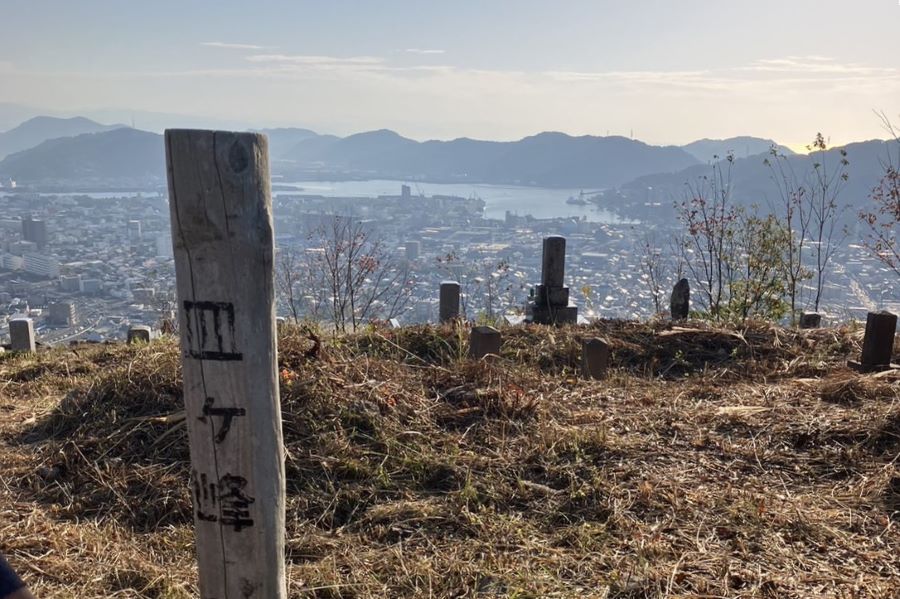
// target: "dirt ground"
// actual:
[[712, 462]]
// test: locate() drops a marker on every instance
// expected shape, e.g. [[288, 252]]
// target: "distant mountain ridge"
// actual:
[[546, 159], [282, 140], [116, 156], [39, 129], [705, 150], [752, 180]]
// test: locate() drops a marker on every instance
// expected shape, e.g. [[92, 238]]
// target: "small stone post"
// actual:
[[21, 334], [680, 302], [484, 341], [594, 358], [139, 334], [449, 303], [550, 300], [810, 320], [878, 344]]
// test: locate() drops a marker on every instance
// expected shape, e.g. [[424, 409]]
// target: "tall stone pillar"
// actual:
[[549, 303], [449, 301]]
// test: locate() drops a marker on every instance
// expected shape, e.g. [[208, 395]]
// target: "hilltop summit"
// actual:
[[733, 458]]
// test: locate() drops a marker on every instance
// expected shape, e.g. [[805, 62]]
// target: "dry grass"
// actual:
[[712, 463]]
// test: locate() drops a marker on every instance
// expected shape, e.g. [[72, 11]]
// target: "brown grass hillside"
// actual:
[[711, 463]]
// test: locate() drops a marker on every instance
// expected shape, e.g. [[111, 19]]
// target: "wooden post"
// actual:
[[221, 208]]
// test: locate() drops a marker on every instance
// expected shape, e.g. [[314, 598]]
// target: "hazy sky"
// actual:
[[672, 70]]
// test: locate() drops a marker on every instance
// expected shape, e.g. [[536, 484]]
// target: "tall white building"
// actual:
[[11, 262], [134, 230], [164, 247], [41, 265]]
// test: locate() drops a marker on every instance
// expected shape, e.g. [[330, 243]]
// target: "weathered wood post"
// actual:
[[138, 334], [878, 343], [594, 358], [448, 309], [221, 208], [21, 335], [484, 341]]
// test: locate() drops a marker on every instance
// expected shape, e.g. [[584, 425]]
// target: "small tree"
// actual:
[[883, 219], [363, 281], [796, 215], [707, 214], [828, 181], [654, 268], [735, 256], [758, 288], [495, 286], [288, 275], [300, 282], [486, 283], [678, 260]]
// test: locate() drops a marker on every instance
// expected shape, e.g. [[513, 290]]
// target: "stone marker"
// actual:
[[280, 321], [594, 358], [553, 261], [810, 320], [139, 334], [449, 306], [680, 302], [878, 344], [21, 334], [549, 302], [484, 341]]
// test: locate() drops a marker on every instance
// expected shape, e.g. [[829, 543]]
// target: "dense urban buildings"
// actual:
[[91, 266]]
